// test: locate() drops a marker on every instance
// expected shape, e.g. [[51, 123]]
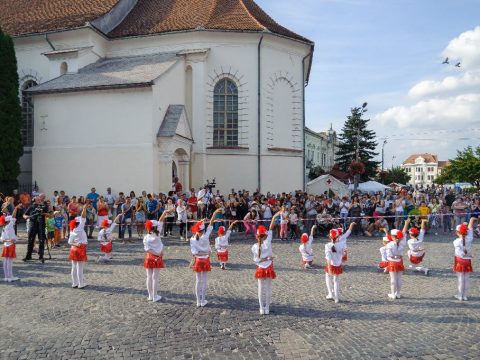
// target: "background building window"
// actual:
[[225, 113], [27, 114]]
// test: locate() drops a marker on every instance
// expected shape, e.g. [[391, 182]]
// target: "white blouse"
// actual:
[[306, 250], [394, 251], [78, 234], [416, 245], [153, 243], [8, 232], [459, 248], [106, 235], [221, 242], [202, 245], [265, 251], [334, 258]]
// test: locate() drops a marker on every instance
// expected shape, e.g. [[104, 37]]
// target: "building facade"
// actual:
[[320, 149], [130, 93], [423, 169]]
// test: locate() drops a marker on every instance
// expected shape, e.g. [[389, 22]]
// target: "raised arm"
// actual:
[[232, 224], [212, 219], [14, 214], [164, 215], [405, 227], [314, 227], [472, 223], [272, 223], [424, 224], [117, 219], [84, 211]]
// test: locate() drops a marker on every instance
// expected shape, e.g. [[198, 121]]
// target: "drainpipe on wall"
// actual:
[[259, 148], [49, 43], [305, 83]]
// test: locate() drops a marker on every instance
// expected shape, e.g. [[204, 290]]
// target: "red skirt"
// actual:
[[416, 259], [9, 251], [222, 256], [395, 266], [78, 253], [334, 270], [462, 265], [106, 248], [383, 264], [201, 265], [265, 273], [153, 262]]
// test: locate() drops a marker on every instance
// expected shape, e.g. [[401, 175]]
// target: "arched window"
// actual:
[[27, 113], [225, 113]]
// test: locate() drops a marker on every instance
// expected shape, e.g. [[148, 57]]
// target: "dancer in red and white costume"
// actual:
[[306, 248], [463, 258], [221, 244], [395, 261], [263, 256], [9, 240], [416, 251], [200, 248], [333, 267], [78, 250], [105, 236], [153, 246], [342, 238], [382, 265]]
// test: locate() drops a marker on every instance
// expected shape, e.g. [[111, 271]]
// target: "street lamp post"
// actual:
[[383, 148]]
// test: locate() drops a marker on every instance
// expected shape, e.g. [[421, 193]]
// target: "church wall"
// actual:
[[94, 138]]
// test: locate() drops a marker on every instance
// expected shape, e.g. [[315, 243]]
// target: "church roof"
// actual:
[[144, 18], [131, 71], [153, 17], [21, 17]]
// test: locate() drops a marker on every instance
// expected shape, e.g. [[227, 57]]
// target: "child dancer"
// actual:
[[333, 268], [221, 244], [78, 250], [342, 238], [306, 248], [263, 256], [105, 236], [152, 243], [200, 248], [416, 251], [463, 258], [395, 262], [9, 240]]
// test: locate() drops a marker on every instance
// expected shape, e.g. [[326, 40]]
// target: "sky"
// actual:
[[389, 53]]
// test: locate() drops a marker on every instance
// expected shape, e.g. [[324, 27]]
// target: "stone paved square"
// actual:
[[42, 317]]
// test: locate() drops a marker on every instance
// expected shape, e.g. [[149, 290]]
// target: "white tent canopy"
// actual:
[[324, 183], [370, 186]]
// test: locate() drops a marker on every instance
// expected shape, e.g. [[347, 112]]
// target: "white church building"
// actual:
[[130, 93]]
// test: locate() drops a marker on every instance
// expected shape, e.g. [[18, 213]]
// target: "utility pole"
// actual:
[[357, 148], [383, 147]]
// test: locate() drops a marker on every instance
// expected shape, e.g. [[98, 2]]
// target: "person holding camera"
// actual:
[[35, 215]]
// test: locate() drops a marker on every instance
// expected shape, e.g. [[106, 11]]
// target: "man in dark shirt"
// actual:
[[36, 216]]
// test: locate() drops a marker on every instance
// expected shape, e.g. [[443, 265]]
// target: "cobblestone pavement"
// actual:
[[43, 317]]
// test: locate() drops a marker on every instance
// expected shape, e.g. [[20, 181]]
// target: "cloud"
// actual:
[[449, 85], [465, 48], [456, 111]]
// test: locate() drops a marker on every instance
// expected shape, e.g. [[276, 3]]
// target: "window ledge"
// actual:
[[228, 148], [285, 149]]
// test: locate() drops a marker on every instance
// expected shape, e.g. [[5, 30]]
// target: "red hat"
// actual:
[[414, 232], [72, 224], [261, 230], [221, 230], [105, 223], [397, 233], [2, 220], [462, 229], [340, 231], [333, 233], [149, 225], [304, 238], [199, 226]]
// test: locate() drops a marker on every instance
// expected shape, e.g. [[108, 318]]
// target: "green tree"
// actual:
[[395, 175], [315, 172], [464, 168], [356, 128], [10, 116]]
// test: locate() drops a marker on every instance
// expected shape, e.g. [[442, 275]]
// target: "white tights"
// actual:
[[106, 256], [7, 267], [201, 286], [395, 282], [463, 284], [333, 285], [77, 273], [153, 275], [264, 293]]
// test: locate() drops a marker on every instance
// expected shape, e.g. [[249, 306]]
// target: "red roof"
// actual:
[[429, 158]]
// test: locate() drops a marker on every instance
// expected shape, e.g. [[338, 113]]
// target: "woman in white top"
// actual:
[[416, 251], [395, 266], [200, 248], [78, 250], [263, 256], [9, 240], [463, 257], [105, 237], [306, 248], [333, 267], [221, 244], [153, 246]]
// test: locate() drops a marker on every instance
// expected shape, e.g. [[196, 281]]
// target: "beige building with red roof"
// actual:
[[128, 93], [423, 168]]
